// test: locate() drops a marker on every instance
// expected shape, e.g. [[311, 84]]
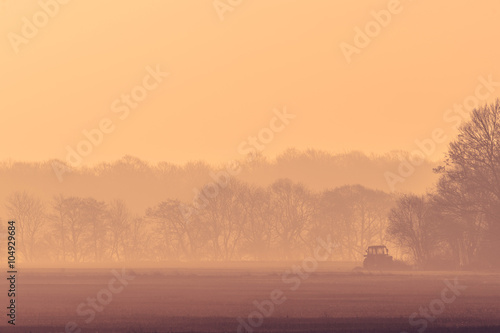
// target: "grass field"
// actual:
[[219, 299]]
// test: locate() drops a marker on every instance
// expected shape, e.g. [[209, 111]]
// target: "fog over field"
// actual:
[[259, 297], [250, 166]]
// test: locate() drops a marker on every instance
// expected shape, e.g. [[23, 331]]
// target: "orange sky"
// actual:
[[227, 76]]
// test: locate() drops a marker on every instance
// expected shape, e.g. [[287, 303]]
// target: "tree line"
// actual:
[[130, 177], [242, 222], [454, 225]]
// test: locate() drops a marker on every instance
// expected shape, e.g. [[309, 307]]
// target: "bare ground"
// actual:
[[211, 300]]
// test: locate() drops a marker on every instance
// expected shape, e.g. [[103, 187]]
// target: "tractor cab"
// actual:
[[377, 257], [377, 250]]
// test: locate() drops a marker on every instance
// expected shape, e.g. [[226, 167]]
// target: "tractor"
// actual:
[[377, 257]]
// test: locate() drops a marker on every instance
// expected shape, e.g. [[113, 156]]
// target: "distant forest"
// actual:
[[132, 211], [141, 184]]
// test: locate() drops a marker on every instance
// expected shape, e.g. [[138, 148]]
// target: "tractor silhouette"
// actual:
[[377, 257]]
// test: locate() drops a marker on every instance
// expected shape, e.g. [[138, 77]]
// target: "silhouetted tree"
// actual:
[[119, 217], [354, 216], [292, 210], [137, 245], [29, 213], [74, 215], [469, 187], [224, 218], [176, 236], [412, 225], [258, 233], [94, 215]]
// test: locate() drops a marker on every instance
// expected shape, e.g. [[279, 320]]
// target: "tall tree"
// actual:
[[224, 218], [74, 215], [58, 226], [29, 213], [413, 227], [356, 217], [258, 233], [95, 219], [119, 217], [469, 187], [176, 236], [292, 211]]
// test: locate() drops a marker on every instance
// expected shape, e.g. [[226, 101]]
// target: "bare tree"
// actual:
[[29, 213], [74, 217], [94, 214], [258, 233], [469, 188], [137, 240], [176, 235], [223, 219], [57, 221], [119, 217], [291, 213], [356, 217], [412, 226]]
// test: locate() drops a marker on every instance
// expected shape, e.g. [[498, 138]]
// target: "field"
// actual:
[[331, 298]]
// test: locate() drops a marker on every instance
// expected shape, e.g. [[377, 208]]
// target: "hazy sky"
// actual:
[[227, 76]]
